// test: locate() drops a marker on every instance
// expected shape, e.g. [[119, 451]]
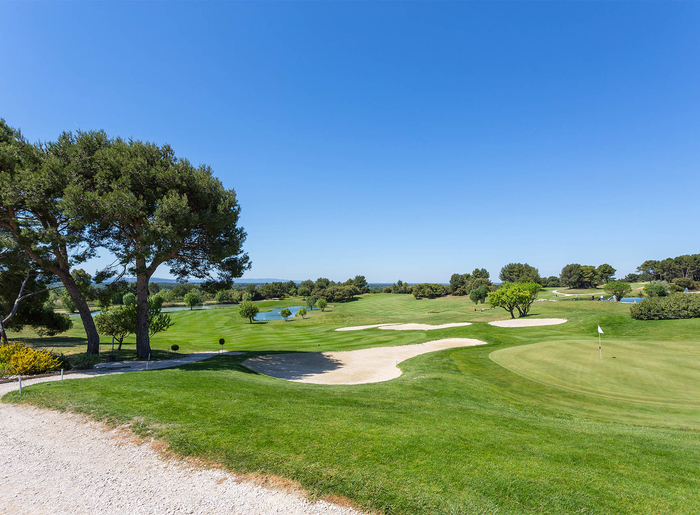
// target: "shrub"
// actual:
[[656, 289], [63, 361], [5, 370], [84, 361], [684, 282], [23, 360], [678, 305]]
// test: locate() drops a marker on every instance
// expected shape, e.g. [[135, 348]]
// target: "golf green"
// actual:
[[658, 372]]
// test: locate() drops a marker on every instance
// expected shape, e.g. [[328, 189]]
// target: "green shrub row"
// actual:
[[678, 305]]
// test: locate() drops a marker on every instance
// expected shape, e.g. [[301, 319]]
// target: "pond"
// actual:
[[164, 310], [274, 314], [632, 300]]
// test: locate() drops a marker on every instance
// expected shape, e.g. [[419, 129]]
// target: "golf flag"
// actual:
[[600, 347], [600, 331]]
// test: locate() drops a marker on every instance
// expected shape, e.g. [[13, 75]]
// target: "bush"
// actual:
[[656, 289], [84, 361], [5, 370], [23, 360], [684, 282], [63, 361], [678, 305], [174, 348]]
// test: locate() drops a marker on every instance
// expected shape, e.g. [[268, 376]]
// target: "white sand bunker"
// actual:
[[361, 327], [348, 367], [421, 327], [404, 327], [533, 322]]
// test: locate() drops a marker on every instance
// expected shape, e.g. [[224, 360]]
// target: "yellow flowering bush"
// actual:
[[18, 359]]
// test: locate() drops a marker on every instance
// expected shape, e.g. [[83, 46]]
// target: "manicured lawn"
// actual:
[[547, 432]]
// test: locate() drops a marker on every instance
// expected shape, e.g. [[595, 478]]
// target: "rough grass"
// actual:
[[456, 433]]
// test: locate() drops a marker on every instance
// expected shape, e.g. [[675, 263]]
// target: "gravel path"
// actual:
[[58, 463]]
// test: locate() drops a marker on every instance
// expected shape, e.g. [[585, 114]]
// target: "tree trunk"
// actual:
[[93, 339], [3, 335], [143, 343]]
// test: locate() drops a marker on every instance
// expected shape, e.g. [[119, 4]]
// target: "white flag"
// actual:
[[600, 331]]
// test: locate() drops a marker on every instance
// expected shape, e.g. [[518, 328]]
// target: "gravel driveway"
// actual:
[[58, 463]]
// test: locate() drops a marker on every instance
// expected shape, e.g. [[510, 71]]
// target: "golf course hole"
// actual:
[[348, 367]]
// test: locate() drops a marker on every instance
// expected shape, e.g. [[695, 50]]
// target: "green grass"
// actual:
[[457, 432], [658, 372]]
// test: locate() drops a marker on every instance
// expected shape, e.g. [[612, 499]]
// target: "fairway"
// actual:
[[658, 372], [533, 422]]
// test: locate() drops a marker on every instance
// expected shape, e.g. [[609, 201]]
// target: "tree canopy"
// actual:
[[515, 296], [519, 273], [618, 288], [34, 180], [248, 310], [149, 207]]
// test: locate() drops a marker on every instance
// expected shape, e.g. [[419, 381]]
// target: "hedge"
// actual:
[[678, 305]]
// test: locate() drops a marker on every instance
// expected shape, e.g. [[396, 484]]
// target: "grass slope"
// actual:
[[456, 433]]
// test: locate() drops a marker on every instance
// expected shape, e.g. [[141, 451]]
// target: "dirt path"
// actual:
[[58, 463], [348, 367]]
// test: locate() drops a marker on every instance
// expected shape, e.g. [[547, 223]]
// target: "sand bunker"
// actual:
[[404, 327], [421, 327], [533, 322], [348, 367], [361, 327]]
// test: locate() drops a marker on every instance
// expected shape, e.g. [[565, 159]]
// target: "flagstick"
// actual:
[[600, 348]]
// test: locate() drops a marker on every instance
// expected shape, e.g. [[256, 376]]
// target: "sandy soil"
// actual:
[[404, 327], [531, 322], [348, 367], [59, 463]]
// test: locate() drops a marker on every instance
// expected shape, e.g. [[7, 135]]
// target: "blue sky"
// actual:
[[395, 140]]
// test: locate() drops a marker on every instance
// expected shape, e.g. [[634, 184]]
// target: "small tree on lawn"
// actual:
[[301, 313], [322, 304], [311, 301], [285, 313], [129, 299], [479, 294], [618, 288], [248, 310], [192, 299], [120, 322], [515, 296]]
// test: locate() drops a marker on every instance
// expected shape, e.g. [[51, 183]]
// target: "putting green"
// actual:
[[662, 373]]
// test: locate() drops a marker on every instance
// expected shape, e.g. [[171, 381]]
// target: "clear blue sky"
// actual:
[[394, 140]]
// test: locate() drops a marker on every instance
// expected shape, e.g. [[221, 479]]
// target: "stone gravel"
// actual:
[[61, 463]]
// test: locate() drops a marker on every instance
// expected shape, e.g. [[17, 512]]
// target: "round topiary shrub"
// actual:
[[175, 348]]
